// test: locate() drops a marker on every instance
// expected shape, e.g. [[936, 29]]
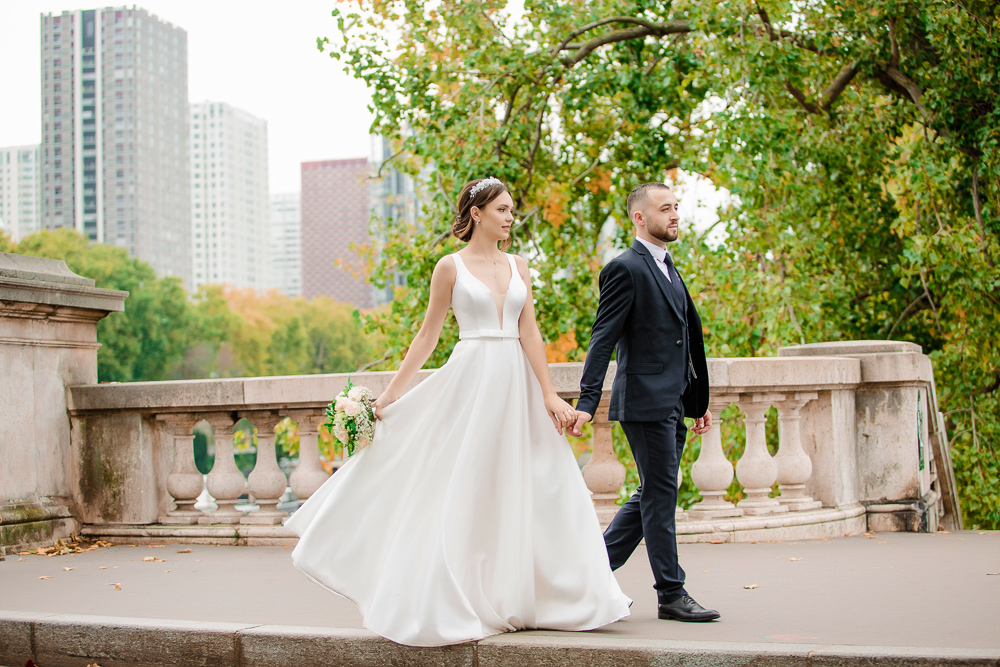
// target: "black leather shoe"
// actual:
[[685, 608]]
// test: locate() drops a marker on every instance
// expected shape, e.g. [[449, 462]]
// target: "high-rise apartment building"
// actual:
[[229, 196], [115, 132], [286, 243], [19, 190], [336, 210], [395, 204]]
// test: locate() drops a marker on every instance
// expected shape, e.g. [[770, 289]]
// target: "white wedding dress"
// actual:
[[467, 516]]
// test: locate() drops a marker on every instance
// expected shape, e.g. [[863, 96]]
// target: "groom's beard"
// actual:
[[666, 234]]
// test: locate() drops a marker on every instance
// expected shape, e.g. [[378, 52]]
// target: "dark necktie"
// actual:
[[675, 280]]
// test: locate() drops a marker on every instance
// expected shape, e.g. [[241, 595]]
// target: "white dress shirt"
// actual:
[[659, 254]]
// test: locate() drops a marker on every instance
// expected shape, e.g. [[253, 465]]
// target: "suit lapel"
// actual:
[[669, 293]]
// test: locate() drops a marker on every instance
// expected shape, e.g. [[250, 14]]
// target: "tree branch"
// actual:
[[839, 85], [646, 29], [635, 20], [906, 312], [801, 98]]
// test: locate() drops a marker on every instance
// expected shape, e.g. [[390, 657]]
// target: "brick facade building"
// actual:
[[336, 210]]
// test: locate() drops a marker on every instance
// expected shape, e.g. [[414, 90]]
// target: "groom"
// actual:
[[646, 314]]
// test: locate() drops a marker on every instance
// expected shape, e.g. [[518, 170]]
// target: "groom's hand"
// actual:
[[576, 429], [703, 424]]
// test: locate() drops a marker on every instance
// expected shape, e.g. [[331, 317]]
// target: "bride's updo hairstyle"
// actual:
[[488, 189]]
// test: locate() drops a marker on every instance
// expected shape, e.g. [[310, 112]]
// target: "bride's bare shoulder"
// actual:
[[446, 268]]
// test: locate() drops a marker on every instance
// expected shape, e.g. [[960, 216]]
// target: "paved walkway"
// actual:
[[937, 591]]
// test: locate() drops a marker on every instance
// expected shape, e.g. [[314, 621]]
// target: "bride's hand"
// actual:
[[381, 402], [561, 412]]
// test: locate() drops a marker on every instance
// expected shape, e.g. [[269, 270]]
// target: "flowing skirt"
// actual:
[[467, 516]]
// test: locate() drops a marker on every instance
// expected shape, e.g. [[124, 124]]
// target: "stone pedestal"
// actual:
[[48, 341], [894, 407]]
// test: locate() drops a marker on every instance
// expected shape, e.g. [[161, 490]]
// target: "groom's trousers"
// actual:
[[656, 447]]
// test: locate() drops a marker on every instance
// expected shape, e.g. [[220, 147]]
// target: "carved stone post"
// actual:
[[309, 475], [712, 473], [794, 465], [184, 483], [225, 481], [267, 481], [756, 469], [604, 473]]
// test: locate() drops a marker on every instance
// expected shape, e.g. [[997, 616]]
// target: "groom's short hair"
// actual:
[[638, 195]]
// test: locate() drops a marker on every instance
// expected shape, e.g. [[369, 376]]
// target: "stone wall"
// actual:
[[48, 342]]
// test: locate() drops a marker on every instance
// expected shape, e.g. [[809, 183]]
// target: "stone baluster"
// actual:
[[309, 475], [604, 473], [712, 473], [267, 482], [184, 483], [794, 465], [756, 469], [225, 482]]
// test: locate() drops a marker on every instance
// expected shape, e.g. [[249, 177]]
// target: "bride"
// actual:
[[467, 515]]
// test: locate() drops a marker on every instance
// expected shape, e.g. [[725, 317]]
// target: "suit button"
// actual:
[[679, 343]]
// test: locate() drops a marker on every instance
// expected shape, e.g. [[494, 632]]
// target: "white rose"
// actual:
[[341, 402], [341, 434], [351, 408], [356, 393]]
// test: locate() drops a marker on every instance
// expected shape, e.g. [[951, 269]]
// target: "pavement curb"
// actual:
[[71, 640]]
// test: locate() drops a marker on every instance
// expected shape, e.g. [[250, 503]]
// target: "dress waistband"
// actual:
[[489, 334]]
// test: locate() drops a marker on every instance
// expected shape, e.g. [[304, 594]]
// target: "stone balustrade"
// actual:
[[858, 448]]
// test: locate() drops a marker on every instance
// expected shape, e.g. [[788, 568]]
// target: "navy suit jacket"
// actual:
[[658, 341]]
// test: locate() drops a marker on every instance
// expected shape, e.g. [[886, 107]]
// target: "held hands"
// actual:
[[703, 424], [381, 402], [561, 412], [576, 429]]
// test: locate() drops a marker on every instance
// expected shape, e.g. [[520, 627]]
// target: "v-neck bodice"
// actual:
[[476, 308]]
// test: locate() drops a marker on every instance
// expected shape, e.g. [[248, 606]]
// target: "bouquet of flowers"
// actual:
[[351, 419]]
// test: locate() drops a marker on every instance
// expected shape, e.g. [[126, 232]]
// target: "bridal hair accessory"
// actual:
[[483, 184], [350, 417]]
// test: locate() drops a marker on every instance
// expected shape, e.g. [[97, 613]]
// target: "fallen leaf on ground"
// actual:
[[152, 559], [44, 577], [67, 569], [869, 536], [288, 547], [19, 560], [93, 664], [184, 551], [944, 532], [847, 534], [118, 587], [751, 586], [824, 539], [166, 570], [716, 541], [794, 559], [883, 542], [130, 546], [155, 546], [103, 567], [704, 571]]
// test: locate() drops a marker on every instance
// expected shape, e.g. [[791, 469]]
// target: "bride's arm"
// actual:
[[442, 282], [559, 410]]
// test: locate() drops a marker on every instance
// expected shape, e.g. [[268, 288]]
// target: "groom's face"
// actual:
[[659, 212]]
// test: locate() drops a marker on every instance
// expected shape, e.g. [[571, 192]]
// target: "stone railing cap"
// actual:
[[25, 267], [850, 348]]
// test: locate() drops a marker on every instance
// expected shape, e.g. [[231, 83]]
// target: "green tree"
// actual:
[[860, 143], [140, 343]]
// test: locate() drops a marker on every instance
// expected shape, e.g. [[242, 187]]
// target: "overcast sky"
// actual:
[[258, 56]]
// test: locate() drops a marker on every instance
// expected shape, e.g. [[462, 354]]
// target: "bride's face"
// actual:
[[495, 218]]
